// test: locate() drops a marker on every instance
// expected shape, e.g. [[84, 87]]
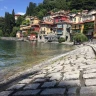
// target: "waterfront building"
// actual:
[[46, 29], [63, 29], [32, 29], [60, 18], [16, 16], [77, 27]]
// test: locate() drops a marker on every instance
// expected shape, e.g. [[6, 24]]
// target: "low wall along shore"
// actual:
[[70, 74], [8, 38]]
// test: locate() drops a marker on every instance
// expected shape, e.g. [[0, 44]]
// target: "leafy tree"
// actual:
[[14, 31], [25, 22], [19, 21], [61, 4]]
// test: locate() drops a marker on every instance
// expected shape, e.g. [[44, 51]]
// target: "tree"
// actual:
[[13, 18], [14, 31], [19, 21], [27, 11], [30, 9], [2, 23], [8, 24], [61, 4]]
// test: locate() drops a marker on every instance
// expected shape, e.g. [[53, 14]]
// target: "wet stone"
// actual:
[[5, 93], [53, 92], [49, 84], [25, 81], [27, 92], [69, 83], [32, 86], [90, 82], [88, 91], [16, 87]]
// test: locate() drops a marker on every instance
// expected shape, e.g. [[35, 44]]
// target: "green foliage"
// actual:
[[79, 37], [1, 33], [55, 5], [13, 18], [8, 26], [61, 39], [14, 31], [2, 23], [87, 26], [82, 4], [30, 9], [25, 22], [19, 21]]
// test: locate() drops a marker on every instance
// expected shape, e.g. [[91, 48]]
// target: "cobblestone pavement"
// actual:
[[70, 75]]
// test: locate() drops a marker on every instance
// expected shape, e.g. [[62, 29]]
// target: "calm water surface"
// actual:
[[18, 56]]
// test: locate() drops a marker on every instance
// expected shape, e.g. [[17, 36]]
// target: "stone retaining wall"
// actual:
[[8, 38]]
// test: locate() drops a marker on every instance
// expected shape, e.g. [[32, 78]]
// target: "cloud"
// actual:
[[5, 7], [21, 13]]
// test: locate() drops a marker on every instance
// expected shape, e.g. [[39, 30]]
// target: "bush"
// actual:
[[79, 38], [61, 39]]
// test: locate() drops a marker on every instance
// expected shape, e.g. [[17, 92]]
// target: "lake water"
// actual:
[[19, 56]]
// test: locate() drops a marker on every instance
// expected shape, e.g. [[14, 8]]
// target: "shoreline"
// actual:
[[70, 73], [33, 70]]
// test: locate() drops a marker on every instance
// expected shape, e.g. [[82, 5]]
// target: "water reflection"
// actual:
[[18, 56]]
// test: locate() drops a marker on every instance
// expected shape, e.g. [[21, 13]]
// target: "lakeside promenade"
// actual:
[[72, 74]]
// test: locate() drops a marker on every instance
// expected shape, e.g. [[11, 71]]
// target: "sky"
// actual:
[[19, 6]]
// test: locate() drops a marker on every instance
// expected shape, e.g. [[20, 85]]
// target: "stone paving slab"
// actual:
[[49, 84], [71, 77], [39, 76], [88, 91], [90, 82], [25, 81], [72, 91], [5, 93], [89, 76], [16, 87], [53, 92], [69, 83], [39, 80], [32, 86], [55, 76], [27, 92]]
